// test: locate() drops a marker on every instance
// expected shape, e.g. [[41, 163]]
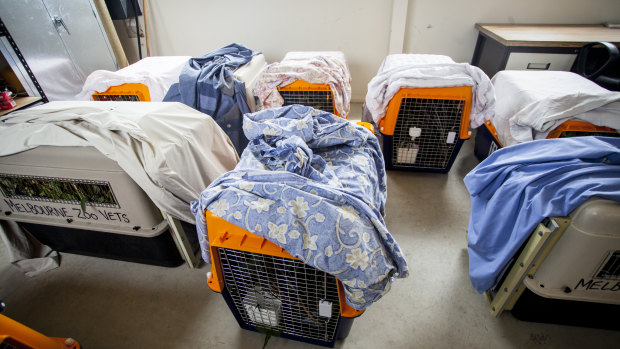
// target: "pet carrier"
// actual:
[[159, 73], [76, 200], [14, 335], [574, 128], [144, 81], [317, 96], [424, 128], [568, 271], [268, 290], [125, 92], [487, 140]]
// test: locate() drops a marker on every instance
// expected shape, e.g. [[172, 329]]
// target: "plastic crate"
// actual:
[[568, 272], [167, 70], [317, 96], [125, 92], [424, 128], [487, 141], [267, 289], [111, 217], [575, 128]]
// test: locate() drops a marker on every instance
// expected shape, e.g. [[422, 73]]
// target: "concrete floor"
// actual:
[[111, 304]]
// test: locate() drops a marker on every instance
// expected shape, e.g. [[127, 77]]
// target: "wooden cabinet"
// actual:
[[534, 47]]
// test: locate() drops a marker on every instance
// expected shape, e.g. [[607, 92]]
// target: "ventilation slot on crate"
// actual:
[[282, 295], [611, 267], [59, 190]]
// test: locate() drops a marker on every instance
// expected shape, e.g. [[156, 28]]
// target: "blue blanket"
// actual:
[[208, 84], [518, 186], [315, 185]]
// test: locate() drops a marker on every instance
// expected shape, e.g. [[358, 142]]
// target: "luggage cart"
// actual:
[[317, 96], [568, 272], [270, 291], [76, 200], [487, 140], [424, 128]]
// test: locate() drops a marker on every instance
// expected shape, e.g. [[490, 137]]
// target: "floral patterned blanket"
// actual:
[[315, 185]]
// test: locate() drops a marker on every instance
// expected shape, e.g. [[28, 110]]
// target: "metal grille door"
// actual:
[[426, 132], [322, 100], [281, 294]]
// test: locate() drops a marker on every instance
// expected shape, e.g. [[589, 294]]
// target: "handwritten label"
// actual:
[[598, 285], [66, 212], [114, 216], [38, 209]]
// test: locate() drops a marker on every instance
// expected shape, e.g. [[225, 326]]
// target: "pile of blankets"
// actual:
[[315, 185]]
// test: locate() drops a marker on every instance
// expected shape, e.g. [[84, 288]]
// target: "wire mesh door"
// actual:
[[281, 294], [322, 100], [426, 132]]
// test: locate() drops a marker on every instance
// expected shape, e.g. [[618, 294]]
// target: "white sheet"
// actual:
[[157, 73], [170, 150], [425, 71], [532, 103]]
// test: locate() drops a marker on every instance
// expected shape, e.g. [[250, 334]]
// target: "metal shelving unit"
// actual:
[[20, 67]]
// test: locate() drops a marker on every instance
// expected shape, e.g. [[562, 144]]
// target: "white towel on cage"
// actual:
[[328, 68], [426, 71], [532, 103], [157, 73]]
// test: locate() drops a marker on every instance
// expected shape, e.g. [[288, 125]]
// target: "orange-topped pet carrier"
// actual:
[[487, 140], [316, 95], [525, 96], [424, 128], [270, 291], [125, 92], [157, 74], [147, 80]]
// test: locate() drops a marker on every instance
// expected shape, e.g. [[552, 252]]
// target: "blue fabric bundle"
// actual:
[[208, 84], [516, 187], [315, 185]]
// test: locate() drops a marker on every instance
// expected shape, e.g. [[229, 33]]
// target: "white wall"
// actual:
[[447, 27], [359, 28]]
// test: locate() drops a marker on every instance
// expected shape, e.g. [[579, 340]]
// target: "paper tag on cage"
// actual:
[[325, 308], [451, 137]]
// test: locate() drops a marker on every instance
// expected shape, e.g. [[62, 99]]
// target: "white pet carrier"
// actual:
[[568, 271], [77, 200]]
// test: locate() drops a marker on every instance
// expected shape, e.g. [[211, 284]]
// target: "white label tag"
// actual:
[[325, 309], [451, 137]]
